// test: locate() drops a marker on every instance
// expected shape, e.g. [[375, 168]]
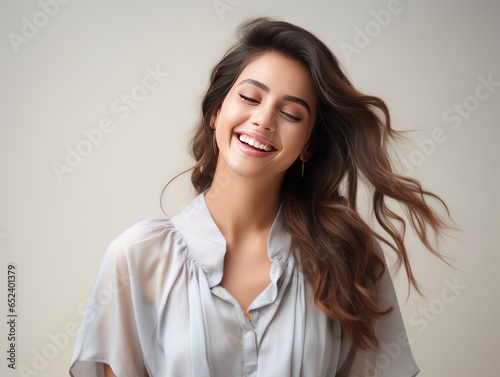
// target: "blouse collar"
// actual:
[[206, 244]]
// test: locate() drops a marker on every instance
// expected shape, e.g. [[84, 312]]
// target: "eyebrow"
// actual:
[[265, 88]]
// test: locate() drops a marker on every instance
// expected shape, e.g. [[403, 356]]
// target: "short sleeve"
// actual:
[[392, 357], [108, 333]]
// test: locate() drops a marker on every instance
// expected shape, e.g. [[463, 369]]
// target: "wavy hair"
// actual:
[[337, 251]]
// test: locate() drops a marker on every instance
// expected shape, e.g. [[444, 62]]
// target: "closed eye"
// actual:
[[248, 99], [291, 117], [287, 115]]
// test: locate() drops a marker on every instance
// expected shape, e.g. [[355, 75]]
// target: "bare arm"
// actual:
[[108, 372]]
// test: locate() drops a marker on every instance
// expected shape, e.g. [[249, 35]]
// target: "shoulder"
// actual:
[[145, 241], [145, 232], [145, 257]]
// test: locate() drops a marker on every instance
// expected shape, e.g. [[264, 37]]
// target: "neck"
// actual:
[[240, 206]]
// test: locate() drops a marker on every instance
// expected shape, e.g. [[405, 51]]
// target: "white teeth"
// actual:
[[248, 140]]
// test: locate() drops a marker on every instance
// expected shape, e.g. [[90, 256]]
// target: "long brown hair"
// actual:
[[335, 248]]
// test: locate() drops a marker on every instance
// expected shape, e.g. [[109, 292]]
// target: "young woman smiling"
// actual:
[[274, 272]]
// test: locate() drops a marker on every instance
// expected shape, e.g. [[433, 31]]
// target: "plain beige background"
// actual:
[[66, 76]]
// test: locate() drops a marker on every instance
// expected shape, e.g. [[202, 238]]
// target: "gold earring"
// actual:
[[302, 172], [214, 144]]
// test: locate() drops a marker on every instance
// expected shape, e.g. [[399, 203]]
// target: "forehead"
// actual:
[[283, 76]]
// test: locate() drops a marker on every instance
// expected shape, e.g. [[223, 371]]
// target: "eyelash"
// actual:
[[289, 116]]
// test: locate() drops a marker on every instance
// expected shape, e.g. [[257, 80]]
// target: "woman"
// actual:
[[270, 271]]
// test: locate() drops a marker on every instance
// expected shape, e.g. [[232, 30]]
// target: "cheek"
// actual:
[[232, 111], [296, 138]]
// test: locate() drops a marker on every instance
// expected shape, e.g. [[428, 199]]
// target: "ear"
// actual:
[[213, 119], [304, 155]]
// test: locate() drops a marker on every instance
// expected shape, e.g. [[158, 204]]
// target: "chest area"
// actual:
[[246, 273], [204, 326]]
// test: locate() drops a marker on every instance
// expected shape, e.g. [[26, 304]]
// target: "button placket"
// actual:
[[249, 345]]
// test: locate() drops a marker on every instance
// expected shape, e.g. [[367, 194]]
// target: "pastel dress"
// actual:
[[157, 310]]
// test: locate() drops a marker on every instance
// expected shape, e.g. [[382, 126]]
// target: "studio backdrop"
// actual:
[[99, 101]]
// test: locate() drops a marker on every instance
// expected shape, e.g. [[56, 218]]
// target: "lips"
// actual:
[[255, 141]]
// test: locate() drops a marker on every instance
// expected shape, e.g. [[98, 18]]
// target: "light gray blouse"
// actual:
[[157, 310]]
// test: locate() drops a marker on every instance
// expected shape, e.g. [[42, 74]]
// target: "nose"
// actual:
[[264, 117]]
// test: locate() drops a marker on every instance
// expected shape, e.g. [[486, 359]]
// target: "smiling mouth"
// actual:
[[255, 144]]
